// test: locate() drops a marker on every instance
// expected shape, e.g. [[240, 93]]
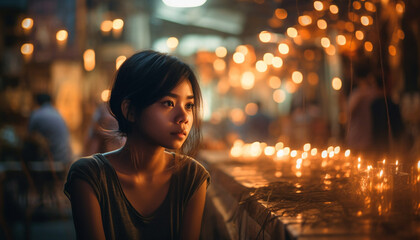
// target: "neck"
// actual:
[[142, 157]]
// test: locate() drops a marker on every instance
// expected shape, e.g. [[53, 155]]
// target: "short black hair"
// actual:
[[42, 98], [146, 77]]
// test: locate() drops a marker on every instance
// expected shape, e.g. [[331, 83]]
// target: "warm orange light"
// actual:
[[370, 6], [357, 5], [314, 151], [297, 77], [368, 46], [277, 62], [280, 13], [61, 35], [120, 60], [242, 49], [330, 50], [313, 78], [117, 24], [221, 52], [27, 48], [238, 57], [283, 48], [261, 66], [89, 59], [247, 80], [336, 83], [292, 32], [322, 24], [333, 9], [106, 26], [274, 82], [325, 42], [401, 34], [290, 87], [359, 35], [219, 65], [341, 40], [172, 42], [237, 116], [364, 20], [306, 147], [279, 95], [268, 58], [265, 36], [269, 151], [251, 109], [27, 23], [105, 95], [392, 50], [400, 7], [318, 5], [304, 20]]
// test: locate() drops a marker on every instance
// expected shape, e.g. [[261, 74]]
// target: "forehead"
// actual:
[[183, 87]]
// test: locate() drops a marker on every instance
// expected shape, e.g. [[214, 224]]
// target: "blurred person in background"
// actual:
[[150, 188], [387, 135], [100, 137], [359, 135], [47, 123]]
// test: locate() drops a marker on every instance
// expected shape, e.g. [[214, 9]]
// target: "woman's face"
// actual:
[[168, 121]]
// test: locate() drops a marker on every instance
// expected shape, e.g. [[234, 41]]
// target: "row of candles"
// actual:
[[381, 186]]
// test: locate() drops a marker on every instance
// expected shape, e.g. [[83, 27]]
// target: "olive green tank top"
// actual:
[[119, 218]]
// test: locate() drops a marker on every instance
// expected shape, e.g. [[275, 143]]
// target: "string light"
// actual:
[[305, 20], [368, 46], [265, 36], [292, 32], [277, 62], [336, 83], [221, 52], [238, 57], [120, 60], [274, 82], [322, 24], [61, 35], [318, 5], [27, 49], [283, 48], [279, 95], [341, 40], [359, 35], [325, 42], [219, 65], [172, 42], [251, 109], [333, 9], [106, 26], [247, 80], [261, 66], [297, 77], [268, 58], [280, 13], [27, 23]]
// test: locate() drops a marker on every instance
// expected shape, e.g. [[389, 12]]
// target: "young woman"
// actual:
[[150, 188]]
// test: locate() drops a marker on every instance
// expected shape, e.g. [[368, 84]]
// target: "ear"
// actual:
[[125, 109]]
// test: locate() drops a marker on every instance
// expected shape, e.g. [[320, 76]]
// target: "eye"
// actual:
[[168, 103], [190, 106]]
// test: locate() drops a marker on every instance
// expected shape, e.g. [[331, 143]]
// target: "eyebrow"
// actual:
[[177, 96]]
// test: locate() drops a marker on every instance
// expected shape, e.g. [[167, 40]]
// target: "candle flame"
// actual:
[[347, 153]]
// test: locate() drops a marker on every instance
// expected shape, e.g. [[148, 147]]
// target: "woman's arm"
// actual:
[[86, 211], [191, 225]]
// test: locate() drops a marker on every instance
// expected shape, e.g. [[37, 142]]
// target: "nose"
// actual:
[[181, 116]]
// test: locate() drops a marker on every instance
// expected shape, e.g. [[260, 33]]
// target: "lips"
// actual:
[[180, 133]]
